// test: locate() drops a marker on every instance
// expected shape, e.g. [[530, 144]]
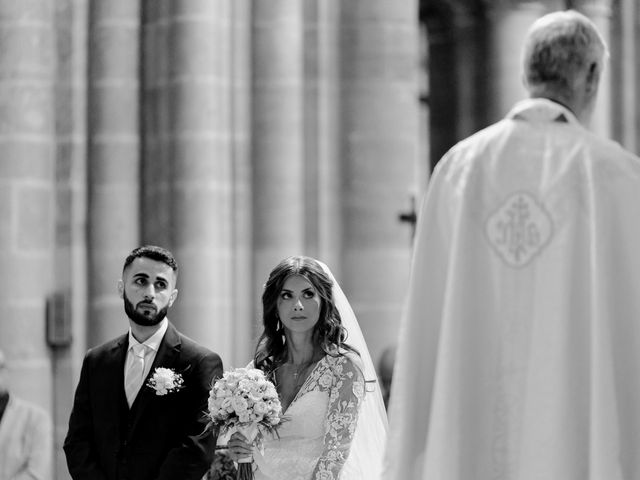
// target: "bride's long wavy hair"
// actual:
[[328, 332]]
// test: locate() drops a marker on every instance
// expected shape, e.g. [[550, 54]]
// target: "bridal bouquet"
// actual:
[[245, 400]]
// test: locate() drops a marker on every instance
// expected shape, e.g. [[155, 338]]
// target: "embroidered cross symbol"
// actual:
[[519, 230]]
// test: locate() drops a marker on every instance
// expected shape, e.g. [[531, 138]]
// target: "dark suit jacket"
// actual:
[[160, 437]]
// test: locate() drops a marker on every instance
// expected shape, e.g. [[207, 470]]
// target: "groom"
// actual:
[[121, 427]]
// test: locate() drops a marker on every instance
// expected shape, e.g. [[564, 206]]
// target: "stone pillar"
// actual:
[[625, 67], [71, 208], [458, 51], [600, 11], [329, 180], [470, 76], [242, 280], [27, 199], [380, 128], [444, 82], [156, 129], [113, 158], [629, 14], [201, 135], [279, 199], [322, 124], [508, 23], [458, 57], [423, 171]]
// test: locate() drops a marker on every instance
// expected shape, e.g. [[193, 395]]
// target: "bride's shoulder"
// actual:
[[346, 363]]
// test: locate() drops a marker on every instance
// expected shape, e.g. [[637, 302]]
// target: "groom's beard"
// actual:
[[141, 319]]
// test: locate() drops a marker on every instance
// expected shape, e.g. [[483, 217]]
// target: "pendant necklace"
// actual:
[[300, 369], [299, 373]]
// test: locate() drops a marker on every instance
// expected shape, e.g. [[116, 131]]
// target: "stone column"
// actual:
[[156, 129], [27, 198], [444, 82], [471, 58], [599, 11], [630, 62], [279, 199], [625, 67], [243, 318], [113, 158], [508, 23], [71, 208], [200, 135], [380, 128], [322, 124], [458, 57]]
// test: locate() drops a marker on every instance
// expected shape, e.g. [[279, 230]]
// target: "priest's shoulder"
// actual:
[[475, 145], [610, 152]]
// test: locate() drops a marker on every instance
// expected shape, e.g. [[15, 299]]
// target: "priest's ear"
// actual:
[[120, 287], [593, 78]]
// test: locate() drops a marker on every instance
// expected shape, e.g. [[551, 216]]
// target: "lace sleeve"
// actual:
[[345, 397]]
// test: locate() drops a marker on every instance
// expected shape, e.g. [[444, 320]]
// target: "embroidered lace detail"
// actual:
[[315, 440], [345, 384]]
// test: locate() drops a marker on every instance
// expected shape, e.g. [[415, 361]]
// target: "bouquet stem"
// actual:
[[245, 471]]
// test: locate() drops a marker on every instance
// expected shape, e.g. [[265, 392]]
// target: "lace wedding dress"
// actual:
[[315, 439]]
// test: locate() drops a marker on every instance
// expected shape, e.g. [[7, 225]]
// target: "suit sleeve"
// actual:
[[79, 447], [193, 457]]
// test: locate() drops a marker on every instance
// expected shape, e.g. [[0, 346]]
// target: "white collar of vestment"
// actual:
[[542, 110], [153, 342]]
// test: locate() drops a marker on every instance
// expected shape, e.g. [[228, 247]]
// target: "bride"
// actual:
[[313, 350]]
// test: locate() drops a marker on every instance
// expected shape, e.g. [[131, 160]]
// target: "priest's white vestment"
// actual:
[[519, 351]]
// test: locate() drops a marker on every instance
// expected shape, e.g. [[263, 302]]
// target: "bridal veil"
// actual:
[[367, 447]]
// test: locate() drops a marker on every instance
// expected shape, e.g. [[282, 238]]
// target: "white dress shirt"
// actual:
[[152, 345]]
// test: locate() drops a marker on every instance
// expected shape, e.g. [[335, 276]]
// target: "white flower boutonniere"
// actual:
[[165, 380]]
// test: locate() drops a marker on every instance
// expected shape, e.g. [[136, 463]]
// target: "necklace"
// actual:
[[301, 368]]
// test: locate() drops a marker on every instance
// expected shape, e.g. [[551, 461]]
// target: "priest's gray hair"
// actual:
[[559, 46]]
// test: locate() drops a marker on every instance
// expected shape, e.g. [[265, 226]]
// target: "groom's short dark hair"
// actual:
[[154, 253]]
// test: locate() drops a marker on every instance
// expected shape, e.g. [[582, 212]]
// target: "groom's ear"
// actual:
[[121, 288], [173, 296]]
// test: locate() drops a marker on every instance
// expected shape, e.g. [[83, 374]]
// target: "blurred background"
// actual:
[[235, 133]]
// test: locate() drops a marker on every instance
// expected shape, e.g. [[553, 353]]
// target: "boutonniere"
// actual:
[[165, 380]]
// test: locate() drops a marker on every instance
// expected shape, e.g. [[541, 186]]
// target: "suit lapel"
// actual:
[[167, 357], [115, 381]]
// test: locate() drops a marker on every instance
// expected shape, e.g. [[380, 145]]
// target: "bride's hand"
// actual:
[[239, 447]]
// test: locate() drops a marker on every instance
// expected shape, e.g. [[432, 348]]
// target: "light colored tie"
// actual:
[[133, 376]]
